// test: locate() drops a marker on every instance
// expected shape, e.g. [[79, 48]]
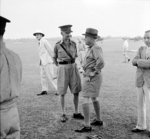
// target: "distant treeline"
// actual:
[[74, 38]]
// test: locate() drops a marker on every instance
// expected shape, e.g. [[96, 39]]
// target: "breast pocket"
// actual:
[[61, 53]]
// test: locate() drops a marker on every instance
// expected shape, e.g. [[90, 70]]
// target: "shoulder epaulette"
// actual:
[[98, 47], [58, 42], [73, 42]]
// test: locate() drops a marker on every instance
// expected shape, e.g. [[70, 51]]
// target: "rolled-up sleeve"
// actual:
[[98, 55]]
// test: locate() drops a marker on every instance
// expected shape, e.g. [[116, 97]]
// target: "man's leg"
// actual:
[[43, 79], [49, 73], [62, 102], [96, 105], [141, 124], [86, 111], [76, 102], [75, 88], [127, 57], [147, 95]]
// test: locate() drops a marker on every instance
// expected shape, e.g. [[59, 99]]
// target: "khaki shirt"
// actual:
[[61, 55], [94, 58], [10, 74], [142, 61]]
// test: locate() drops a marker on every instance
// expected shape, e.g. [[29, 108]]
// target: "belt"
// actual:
[[7, 104], [66, 62]]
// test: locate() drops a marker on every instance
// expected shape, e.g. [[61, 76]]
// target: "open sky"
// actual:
[[110, 17]]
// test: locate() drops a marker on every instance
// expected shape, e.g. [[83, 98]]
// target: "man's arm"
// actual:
[[49, 48], [98, 55], [136, 58], [144, 63], [55, 55]]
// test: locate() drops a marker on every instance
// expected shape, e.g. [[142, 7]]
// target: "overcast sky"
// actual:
[[110, 17]]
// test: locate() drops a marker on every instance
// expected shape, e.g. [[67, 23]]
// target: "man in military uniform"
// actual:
[[65, 53], [10, 87], [92, 80], [46, 63], [142, 62]]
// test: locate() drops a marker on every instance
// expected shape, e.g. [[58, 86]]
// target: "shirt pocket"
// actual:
[[61, 53]]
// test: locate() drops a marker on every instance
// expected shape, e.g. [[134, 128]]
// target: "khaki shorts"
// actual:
[[10, 125], [68, 75], [92, 88]]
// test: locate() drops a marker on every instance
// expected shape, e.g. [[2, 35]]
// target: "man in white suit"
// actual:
[[142, 62], [125, 51], [46, 63]]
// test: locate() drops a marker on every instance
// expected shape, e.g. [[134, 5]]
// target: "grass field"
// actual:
[[39, 116]]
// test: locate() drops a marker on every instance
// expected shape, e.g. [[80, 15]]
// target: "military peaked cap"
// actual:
[[66, 28], [3, 22]]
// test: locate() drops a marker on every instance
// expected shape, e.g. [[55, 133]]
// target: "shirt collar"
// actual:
[[89, 47], [40, 39], [61, 41]]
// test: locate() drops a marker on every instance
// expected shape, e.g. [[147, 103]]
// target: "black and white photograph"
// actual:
[[74, 69]]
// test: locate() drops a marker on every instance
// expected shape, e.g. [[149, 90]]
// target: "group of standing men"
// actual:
[[64, 55]]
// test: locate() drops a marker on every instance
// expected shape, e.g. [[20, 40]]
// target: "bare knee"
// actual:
[[94, 99], [85, 100]]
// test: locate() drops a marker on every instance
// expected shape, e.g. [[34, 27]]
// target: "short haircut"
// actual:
[[147, 31]]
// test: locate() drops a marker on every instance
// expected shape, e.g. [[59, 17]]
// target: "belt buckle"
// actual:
[[69, 62]]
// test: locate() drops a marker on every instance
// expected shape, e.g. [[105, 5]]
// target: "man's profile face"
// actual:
[[147, 38], [39, 36]]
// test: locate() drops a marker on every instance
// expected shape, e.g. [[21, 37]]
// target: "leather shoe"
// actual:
[[97, 123], [63, 118], [78, 116], [149, 134], [84, 129], [42, 93], [136, 130]]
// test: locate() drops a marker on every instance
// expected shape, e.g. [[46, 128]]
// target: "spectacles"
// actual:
[[146, 38]]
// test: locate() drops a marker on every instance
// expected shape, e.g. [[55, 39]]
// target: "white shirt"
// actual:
[[125, 45], [45, 52], [147, 52]]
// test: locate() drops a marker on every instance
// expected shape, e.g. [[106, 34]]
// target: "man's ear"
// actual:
[[61, 33]]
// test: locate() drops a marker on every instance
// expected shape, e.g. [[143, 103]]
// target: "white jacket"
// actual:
[[125, 45], [45, 52]]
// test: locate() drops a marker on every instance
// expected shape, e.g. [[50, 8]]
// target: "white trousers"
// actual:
[[48, 73], [143, 95]]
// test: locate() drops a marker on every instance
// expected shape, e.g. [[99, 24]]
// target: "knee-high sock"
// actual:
[[76, 103], [96, 105], [86, 112], [62, 102]]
